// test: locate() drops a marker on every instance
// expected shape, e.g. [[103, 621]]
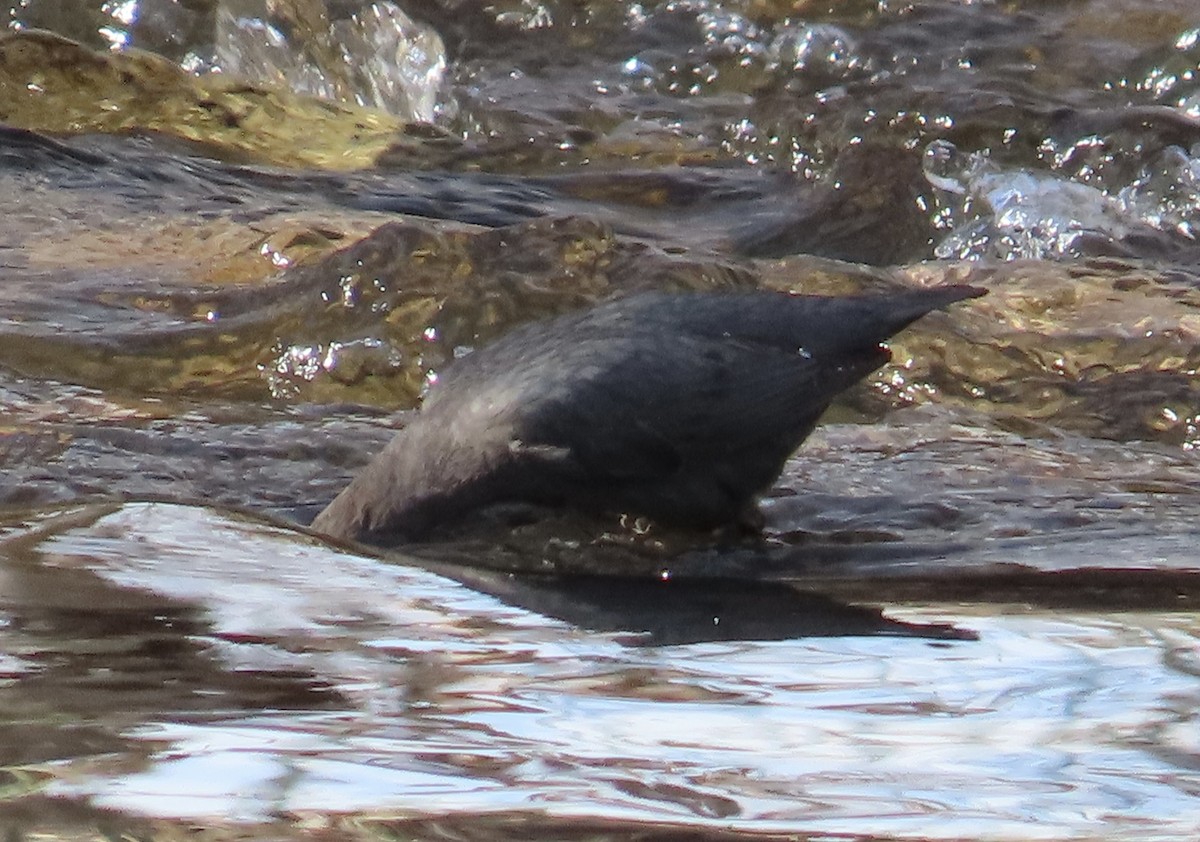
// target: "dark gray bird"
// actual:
[[678, 407]]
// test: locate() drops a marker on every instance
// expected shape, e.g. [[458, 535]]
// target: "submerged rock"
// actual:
[[677, 407]]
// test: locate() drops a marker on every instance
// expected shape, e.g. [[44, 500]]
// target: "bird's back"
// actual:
[[680, 407]]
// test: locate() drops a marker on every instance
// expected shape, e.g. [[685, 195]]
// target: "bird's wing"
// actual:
[[677, 400]]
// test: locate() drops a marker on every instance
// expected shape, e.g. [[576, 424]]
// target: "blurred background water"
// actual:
[[239, 239]]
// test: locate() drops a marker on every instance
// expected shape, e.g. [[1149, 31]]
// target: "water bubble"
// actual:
[[800, 47], [1190, 105], [293, 365], [1175, 75], [278, 259], [349, 285], [730, 34], [637, 525], [636, 66]]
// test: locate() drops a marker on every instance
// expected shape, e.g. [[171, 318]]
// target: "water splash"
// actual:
[[1166, 193], [377, 57], [1012, 214], [733, 52], [988, 210], [398, 65]]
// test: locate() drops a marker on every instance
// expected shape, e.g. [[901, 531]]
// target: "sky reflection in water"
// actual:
[[442, 701]]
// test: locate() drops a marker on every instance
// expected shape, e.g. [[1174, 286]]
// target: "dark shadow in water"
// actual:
[[852, 567], [654, 606], [669, 610]]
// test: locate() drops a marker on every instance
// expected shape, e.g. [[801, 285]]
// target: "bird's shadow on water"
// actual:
[[670, 610], [649, 595], [667, 589], [680, 590]]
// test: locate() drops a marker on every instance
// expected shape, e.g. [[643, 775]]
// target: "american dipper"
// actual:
[[680, 407]]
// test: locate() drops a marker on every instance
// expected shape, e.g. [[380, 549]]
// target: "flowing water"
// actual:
[[240, 239]]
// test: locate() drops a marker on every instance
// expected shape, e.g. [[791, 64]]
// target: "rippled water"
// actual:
[[324, 684], [231, 261]]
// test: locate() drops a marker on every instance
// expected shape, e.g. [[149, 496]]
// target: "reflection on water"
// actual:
[[283, 681]]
